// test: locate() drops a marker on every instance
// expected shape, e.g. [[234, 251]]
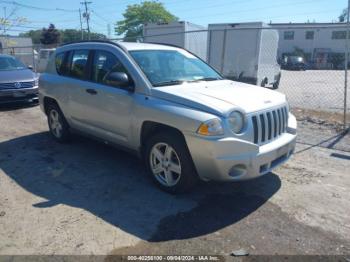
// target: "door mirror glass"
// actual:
[[119, 79]]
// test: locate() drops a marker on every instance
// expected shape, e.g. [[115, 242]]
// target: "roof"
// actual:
[[130, 46], [127, 46], [306, 25]]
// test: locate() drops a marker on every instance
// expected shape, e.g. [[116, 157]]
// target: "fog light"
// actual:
[[238, 170]]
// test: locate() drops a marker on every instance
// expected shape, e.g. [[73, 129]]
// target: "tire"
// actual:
[[264, 82], [59, 128], [168, 154], [275, 85]]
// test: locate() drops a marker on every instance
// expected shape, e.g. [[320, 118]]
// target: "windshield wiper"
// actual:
[[206, 79], [169, 83]]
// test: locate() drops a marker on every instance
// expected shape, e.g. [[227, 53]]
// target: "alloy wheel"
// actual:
[[165, 164]]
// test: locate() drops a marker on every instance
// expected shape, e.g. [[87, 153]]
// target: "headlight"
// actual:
[[236, 122], [36, 82], [212, 127]]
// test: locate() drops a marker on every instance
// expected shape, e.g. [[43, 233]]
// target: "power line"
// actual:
[[101, 17], [38, 7]]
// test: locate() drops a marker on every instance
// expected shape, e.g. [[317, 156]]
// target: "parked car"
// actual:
[[18, 83], [294, 63], [169, 107]]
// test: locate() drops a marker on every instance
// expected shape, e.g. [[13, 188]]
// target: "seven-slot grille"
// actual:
[[269, 125], [17, 85]]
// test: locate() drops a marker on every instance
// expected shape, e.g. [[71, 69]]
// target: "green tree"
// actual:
[[66, 36], [11, 20], [73, 35], [50, 36], [138, 14], [343, 16]]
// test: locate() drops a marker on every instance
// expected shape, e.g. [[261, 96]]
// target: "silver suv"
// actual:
[[169, 107]]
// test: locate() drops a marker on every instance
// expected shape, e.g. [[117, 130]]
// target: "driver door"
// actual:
[[105, 110]]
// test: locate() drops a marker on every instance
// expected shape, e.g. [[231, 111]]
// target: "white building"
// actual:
[[323, 43]]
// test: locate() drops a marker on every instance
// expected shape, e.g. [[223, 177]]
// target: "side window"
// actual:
[[104, 64], [338, 34], [288, 35], [78, 63], [59, 63]]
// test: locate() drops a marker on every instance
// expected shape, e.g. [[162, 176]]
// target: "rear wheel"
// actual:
[[169, 163], [58, 125], [264, 82]]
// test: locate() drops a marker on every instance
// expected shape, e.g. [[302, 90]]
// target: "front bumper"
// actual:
[[19, 95], [232, 159]]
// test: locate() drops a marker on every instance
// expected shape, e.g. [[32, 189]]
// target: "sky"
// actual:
[[40, 13]]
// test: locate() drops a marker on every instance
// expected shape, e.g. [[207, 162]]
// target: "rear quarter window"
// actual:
[[79, 63], [59, 63]]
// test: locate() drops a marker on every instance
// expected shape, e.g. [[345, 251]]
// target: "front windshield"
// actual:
[[170, 67], [10, 63]]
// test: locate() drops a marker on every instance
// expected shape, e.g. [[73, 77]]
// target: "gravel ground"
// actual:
[[88, 198], [315, 89]]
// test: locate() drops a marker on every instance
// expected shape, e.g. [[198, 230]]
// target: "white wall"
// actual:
[[322, 38]]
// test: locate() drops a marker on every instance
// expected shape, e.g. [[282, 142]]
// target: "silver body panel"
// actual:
[[116, 115]]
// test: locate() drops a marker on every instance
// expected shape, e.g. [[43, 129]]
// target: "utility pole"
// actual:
[[86, 15], [109, 31], [5, 20], [81, 26], [346, 65]]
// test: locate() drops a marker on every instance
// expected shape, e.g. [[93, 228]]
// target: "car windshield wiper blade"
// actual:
[[206, 79], [168, 83]]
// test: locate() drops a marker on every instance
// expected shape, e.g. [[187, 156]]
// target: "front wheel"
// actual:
[[169, 163]]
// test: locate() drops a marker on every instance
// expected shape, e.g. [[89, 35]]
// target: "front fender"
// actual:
[[182, 118]]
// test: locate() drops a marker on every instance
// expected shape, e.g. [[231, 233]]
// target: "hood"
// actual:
[[221, 97], [10, 76]]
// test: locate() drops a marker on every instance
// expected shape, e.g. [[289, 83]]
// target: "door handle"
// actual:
[[91, 91]]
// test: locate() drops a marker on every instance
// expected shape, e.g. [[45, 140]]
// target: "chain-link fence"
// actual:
[[33, 56], [26, 54]]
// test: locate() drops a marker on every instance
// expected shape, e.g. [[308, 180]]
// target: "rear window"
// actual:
[[79, 63], [59, 63]]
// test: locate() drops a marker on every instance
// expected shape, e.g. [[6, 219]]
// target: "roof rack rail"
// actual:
[[96, 41]]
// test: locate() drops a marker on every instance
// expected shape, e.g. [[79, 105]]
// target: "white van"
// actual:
[[174, 33], [245, 52]]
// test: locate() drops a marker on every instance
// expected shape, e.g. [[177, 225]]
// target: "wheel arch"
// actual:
[[149, 128], [48, 101]]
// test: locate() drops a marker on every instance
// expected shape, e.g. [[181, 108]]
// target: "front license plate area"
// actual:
[[282, 150], [19, 94]]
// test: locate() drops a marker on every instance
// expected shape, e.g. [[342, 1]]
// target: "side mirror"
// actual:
[[120, 79], [30, 67]]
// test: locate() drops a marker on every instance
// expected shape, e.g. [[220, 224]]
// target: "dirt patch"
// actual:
[[323, 118]]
